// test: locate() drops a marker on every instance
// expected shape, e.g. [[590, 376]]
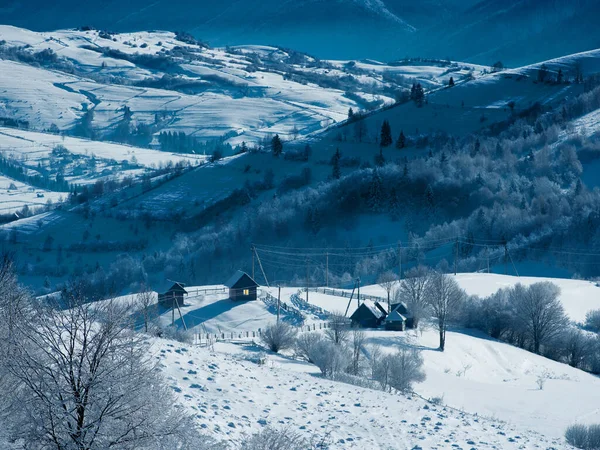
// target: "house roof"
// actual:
[[177, 287], [372, 308], [402, 308], [395, 316], [237, 277]]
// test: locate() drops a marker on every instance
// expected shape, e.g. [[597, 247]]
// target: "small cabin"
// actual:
[[368, 315], [242, 287], [404, 312], [395, 321], [173, 296]]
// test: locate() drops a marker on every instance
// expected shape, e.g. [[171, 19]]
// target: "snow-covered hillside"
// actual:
[[494, 385], [232, 396], [240, 93]]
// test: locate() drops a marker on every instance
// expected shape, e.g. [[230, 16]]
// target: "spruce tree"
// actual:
[[350, 115], [451, 82], [276, 146], [401, 142], [375, 192], [386, 134], [335, 162]]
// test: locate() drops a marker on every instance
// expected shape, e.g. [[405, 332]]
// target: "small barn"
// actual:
[[242, 287], [368, 315], [173, 296], [395, 321], [404, 312]]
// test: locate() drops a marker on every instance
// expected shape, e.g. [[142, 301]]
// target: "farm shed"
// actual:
[[173, 296], [242, 287], [368, 315]]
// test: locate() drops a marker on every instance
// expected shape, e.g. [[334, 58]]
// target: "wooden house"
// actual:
[[404, 312], [395, 321], [368, 315], [242, 287], [173, 296]]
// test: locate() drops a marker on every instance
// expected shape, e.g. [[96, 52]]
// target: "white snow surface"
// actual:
[[232, 396]]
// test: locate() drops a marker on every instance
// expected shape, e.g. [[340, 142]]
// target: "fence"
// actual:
[[347, 294], [197, 292], [205, 339]]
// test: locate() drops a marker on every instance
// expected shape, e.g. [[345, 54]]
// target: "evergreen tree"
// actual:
[[451, 82], [276, 146], [401, 142], [429, 197], [417, 94], [559, 76], [307, 152], [386, 134], [375, 192], [350, 115], [335, 162]]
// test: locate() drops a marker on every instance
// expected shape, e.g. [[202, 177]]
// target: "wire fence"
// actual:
[[347, 294], [208, 339]]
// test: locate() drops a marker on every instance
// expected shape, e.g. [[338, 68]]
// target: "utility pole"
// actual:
[[399, 260], [173, 311], [307, 279], [358, 296], [278, 302], [455, 254], [327, 269], [253, 249]]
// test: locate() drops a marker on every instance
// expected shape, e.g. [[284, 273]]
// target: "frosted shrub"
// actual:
[[306, 345], [279, 336], [592, 320], [399, 370], [330, 358], [584, 437], [274, 439]]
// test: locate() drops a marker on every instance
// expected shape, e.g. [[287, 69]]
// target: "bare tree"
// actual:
[[577, 347], [387, 280], [145, 300], [87, 381], [330, 358], [306, 344], [279, 336], [399, 370], [358, 344], [539, 311], [338, 328], [444, 296], [412, 292]]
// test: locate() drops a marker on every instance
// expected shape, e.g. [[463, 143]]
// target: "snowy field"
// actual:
[[233, 396], [15, 195], [32, 147], [242, 93]]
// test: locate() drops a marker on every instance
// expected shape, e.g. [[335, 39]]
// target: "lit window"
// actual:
[[246, 291]]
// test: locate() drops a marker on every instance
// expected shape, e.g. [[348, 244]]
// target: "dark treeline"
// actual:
[[17, 172]]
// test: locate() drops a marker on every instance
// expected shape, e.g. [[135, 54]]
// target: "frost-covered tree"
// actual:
[[86, 381], [279, 336], [387, 280], [444, 296], [412, 291], [538, 310]]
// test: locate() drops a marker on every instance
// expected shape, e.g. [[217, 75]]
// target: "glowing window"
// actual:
[[246, 291]]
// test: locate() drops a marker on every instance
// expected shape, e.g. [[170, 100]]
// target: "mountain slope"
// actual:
[[515, 32]]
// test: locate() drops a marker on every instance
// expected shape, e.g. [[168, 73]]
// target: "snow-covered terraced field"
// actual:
[[243, 93]]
